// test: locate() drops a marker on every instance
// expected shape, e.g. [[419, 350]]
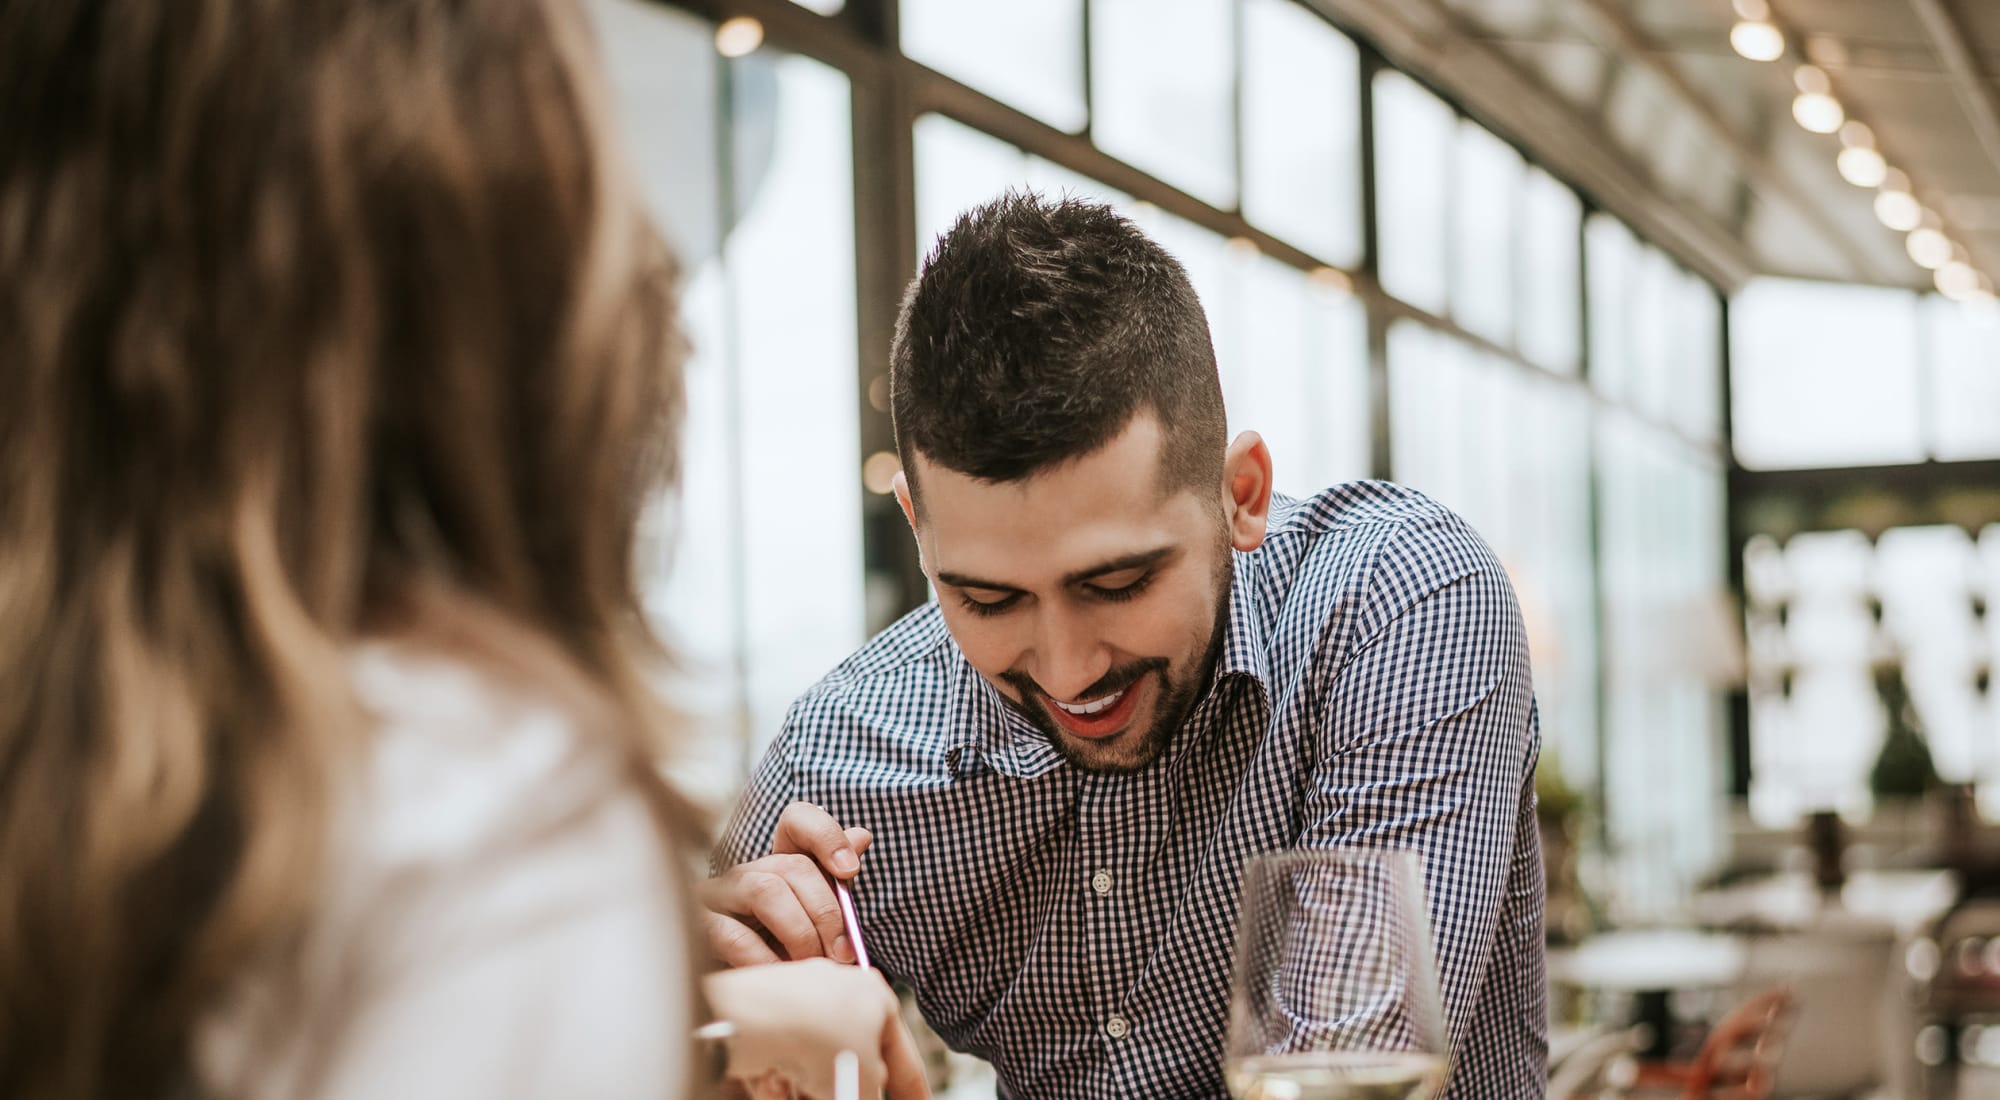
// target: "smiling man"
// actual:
[[1141, 667]]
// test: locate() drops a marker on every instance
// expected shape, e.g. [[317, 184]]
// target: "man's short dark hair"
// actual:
[[1036, 330]]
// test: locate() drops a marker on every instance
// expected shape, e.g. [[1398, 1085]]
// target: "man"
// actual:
[[1141, 667]]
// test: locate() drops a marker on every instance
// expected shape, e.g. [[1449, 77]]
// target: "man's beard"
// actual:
[[1177, 698]]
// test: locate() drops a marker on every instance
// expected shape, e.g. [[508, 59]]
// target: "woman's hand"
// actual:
[[793, 1018]]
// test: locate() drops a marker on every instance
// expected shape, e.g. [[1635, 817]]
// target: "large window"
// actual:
[[1831, 375], [1825, 375], [1163, 91], [1666, 652], [1027, 54], [755, 611], [1302, 130], [1413, 167]]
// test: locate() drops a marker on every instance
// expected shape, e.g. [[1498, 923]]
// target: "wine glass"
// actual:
[[1335, 994]]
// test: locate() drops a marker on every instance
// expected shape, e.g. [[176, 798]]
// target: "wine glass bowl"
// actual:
[[1335, 995]]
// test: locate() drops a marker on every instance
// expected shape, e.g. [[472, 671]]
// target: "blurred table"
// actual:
[[1651, 964]]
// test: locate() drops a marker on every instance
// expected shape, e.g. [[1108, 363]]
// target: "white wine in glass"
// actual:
[[1335, 994]]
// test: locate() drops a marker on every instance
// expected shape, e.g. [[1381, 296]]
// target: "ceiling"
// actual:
[[1644, 104]]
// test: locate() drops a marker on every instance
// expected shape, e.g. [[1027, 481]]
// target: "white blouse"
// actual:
[[500, 919]]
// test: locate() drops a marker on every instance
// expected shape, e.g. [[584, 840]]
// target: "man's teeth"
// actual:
[[1089, 708]]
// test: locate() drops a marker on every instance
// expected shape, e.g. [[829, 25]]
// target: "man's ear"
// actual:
[[902, 485], [1246, 490]]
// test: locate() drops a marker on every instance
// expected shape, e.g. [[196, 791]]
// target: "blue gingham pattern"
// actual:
[[1075, 929]]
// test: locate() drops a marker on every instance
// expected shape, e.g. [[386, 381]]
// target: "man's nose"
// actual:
[[1069, 657]]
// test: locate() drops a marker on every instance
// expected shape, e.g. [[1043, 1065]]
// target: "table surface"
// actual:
[[1640, 960]]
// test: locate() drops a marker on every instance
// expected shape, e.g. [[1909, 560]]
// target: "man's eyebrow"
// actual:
[[1120, 564], [1116, 565], [960, 580]]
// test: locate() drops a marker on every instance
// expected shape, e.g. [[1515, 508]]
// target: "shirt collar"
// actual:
[[1244, 649], [981, 721]]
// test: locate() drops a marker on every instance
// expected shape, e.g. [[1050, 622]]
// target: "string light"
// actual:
[[1928, 247], [1757, 40], [1895, 207], [1818, 112], [1860, 163], [1958, 281], [879, 472], [738, 37], [1755, 36], [1862, 166]]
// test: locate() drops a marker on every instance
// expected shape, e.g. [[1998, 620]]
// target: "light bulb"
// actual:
[[738, 37], [1928, 247], [1958, 280], [1818, 112], [1898, 210], [1757, 40], [1811, 79], [1857, 133], [1862, 166], [879, 472]]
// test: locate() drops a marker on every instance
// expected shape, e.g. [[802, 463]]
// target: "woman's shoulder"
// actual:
[[464, 763], [493, 873]]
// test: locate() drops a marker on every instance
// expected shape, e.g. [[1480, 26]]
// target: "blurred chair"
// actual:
[[1835, 1045], [1737, 1061], [1597, 1067], [1960, 996]]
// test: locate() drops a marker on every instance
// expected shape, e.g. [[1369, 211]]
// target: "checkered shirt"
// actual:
[[1075, 929]]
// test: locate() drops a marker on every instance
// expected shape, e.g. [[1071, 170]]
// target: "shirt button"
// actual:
[[1116, 1027], [1101, 882]]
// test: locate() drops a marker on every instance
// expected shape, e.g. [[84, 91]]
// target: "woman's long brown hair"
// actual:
[[317, 320]]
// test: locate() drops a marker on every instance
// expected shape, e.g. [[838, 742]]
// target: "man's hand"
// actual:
[[782, 906]]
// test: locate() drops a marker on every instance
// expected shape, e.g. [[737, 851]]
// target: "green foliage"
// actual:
[[1903, 769], [1556, 801]]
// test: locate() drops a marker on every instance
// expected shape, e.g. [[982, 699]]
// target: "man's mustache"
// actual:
[[1113, 681]]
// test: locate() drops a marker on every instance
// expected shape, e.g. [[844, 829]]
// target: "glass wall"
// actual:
[[1623, 598], [747, 166], [1656, 356], [1833, 375], [1577, 426], [1844, 622]]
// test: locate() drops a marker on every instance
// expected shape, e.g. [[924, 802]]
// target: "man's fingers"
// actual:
[[734, 943], [789, 897], [816, 897], [859, 839], [771, 896], [808, 830]]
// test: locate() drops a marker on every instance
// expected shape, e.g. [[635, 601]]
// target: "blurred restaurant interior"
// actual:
[[1687, 304]]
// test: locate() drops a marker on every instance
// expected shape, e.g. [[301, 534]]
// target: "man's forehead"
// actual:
[[1013, 540]]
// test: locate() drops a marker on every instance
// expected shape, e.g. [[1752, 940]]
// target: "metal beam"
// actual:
[[1633, 41], [1423, 37], [1873, 499]]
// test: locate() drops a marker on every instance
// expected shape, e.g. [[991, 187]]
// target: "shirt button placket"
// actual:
[[1117, 1026], [1101, 882]]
